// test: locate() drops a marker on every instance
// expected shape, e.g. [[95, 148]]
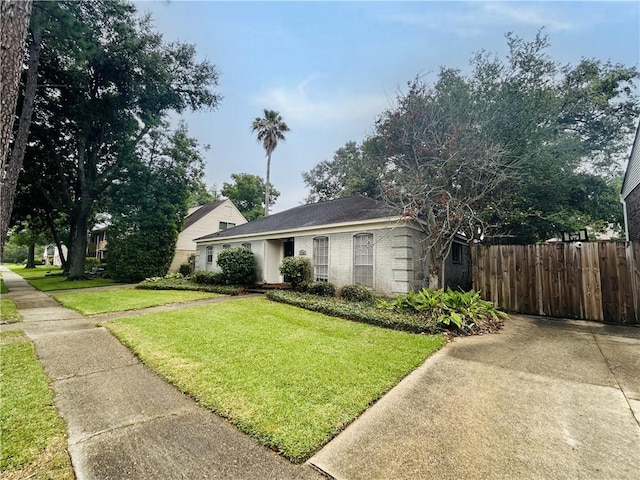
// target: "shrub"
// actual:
[[296, 270], [465, 312], [357, 293], [209, 278], [359, 312], [173, 282], [185, 269], [238, 265], [92, 262], [322, 289]]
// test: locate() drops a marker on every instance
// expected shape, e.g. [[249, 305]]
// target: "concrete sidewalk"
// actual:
[[543, 399], [125, 422]]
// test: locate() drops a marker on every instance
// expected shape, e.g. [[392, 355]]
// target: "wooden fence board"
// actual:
[[593, 281]]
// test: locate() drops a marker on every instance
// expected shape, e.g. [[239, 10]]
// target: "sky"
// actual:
[[330, 67]]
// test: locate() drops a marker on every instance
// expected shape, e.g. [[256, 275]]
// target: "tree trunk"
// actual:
[[14, 23], [11, 169], [267, 186], [31, 257], [78, 244]]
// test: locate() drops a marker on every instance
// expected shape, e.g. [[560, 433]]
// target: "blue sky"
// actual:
[[330, 67]]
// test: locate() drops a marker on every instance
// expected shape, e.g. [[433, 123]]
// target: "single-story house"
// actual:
[[352, 240], [630, 193], [201, 220]]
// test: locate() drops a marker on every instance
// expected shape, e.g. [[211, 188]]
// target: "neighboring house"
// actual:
[[51, 255], [630, 194], [353, 240], [97, 244], [202, 220]]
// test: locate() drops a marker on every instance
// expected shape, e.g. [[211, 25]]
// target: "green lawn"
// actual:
[[32, 435], [8, 311], [55, 280], [121, 299], [287, 376]]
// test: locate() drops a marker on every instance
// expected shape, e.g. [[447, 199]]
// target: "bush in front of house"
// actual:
[[357, 293], [185, 269], [209, 278], [176, 281], [297, 270], [322, 289], [463, 312], [238, 265], [91, 263], [358, 312]]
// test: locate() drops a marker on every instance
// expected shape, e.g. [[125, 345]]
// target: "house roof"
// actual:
[[201, 212], [341, 210], [632, 174]]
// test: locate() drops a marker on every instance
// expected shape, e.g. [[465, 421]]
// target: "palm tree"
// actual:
[[270, 130]]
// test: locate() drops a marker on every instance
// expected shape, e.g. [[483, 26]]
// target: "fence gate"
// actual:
[[591, 281]]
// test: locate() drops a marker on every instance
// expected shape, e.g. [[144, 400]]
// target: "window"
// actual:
[[225, 225], [456, 253], [209, 254], [226, 245], [247, 245], [321, 258], [363, 259]]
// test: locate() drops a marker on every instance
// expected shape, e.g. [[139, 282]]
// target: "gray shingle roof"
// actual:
[[201, 212], [341, 210]]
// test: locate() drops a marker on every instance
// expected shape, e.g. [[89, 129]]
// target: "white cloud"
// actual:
[[479, 16], [298, 104], [528, 15]]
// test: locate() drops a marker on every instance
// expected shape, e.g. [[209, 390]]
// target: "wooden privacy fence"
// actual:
[[591, 281]]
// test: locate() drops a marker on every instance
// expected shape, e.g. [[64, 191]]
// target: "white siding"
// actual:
[[632, 176]]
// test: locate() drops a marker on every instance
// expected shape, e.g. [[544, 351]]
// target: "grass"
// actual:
[[289, 377], [122, 299], [8, 311], [3, 287], [32, 435], [39, 279]]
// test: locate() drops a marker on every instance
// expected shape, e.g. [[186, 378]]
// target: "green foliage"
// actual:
[[454, 310], [356, 311], [185, 269], [247, 193], [87, 138], [209, 278], [352, 171], [296, 270], [357, 293], [91, 262], [148, 207], [176, 283], [322, 289], [238, 265]]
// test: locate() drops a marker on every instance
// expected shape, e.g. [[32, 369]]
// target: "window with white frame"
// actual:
[[209, 254], [321, 259], [363, 259]]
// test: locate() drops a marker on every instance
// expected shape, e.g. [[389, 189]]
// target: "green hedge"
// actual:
[[159, 283], [358, 312]]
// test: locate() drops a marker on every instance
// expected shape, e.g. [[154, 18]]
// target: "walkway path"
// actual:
[[125, 422]]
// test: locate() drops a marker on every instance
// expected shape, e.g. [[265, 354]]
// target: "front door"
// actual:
[[289, 251]]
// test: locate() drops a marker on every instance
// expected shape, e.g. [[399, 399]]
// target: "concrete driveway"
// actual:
[[544, 398]]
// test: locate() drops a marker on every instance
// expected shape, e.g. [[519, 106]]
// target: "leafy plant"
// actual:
[[357, 293], [296, 270], [209, 278], [238, 265], [463, 311], [322, 289], [185, 269], [92, 262]]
